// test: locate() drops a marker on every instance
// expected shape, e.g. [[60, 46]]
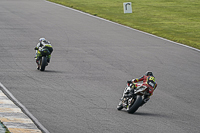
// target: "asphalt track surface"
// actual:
[[91, 62]]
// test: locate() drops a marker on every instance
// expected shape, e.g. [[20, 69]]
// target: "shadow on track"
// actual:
[[147, 114], [50, 71], [53, 71], [151, 114]]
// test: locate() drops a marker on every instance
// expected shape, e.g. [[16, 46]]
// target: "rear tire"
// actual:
[[134, 107], [43, 63]]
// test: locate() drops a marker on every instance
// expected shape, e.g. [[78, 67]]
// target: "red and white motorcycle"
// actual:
[[133, 102]]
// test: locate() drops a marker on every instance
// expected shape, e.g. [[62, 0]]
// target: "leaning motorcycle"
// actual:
[[42, 63], [133, 102]]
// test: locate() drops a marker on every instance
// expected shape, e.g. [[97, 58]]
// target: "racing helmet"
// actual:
[[149, 73], [42, 39]]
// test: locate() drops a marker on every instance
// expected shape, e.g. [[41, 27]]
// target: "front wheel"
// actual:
[[43, 63], [136, 104]]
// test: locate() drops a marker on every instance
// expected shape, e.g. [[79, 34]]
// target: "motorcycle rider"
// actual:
[[43, 43], [147, 80]]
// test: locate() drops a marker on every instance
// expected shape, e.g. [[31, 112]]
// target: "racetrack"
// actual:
[[91, 62]]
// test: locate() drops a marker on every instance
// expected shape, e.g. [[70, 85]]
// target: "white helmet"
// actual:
[[42, 39]]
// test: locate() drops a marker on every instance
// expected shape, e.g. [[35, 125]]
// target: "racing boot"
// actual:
[[37, 62], [120, 106], [146, 98], [48, 58]]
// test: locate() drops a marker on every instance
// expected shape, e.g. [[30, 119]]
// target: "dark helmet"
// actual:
[[148, 73]]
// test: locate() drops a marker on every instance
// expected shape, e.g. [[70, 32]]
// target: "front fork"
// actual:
[[126, 102]]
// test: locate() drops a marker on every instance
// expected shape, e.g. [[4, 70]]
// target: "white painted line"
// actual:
[[125, 26], [23, 108]]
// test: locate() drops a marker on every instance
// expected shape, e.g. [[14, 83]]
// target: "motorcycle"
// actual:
[[133, 102], [42, 63]]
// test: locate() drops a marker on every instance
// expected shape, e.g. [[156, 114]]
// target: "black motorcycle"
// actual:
[[132, 102], [42, 63]]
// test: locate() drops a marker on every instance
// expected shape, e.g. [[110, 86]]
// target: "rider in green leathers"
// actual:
[[43, 43]]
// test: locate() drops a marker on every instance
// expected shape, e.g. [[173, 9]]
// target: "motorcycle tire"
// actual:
[[134, 107], [43, 63]]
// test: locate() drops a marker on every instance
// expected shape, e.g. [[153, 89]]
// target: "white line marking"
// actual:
[[24, 109], [124, 26]]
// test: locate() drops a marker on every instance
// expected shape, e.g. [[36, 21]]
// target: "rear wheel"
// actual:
[[134, 107], [43, 63]]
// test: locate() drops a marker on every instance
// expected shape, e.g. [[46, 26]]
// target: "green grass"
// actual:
[[176, 20]]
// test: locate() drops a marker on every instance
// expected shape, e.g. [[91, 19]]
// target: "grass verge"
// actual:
[[176, 20]]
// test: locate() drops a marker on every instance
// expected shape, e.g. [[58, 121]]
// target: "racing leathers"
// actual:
[[40, 45], [148, 81]]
